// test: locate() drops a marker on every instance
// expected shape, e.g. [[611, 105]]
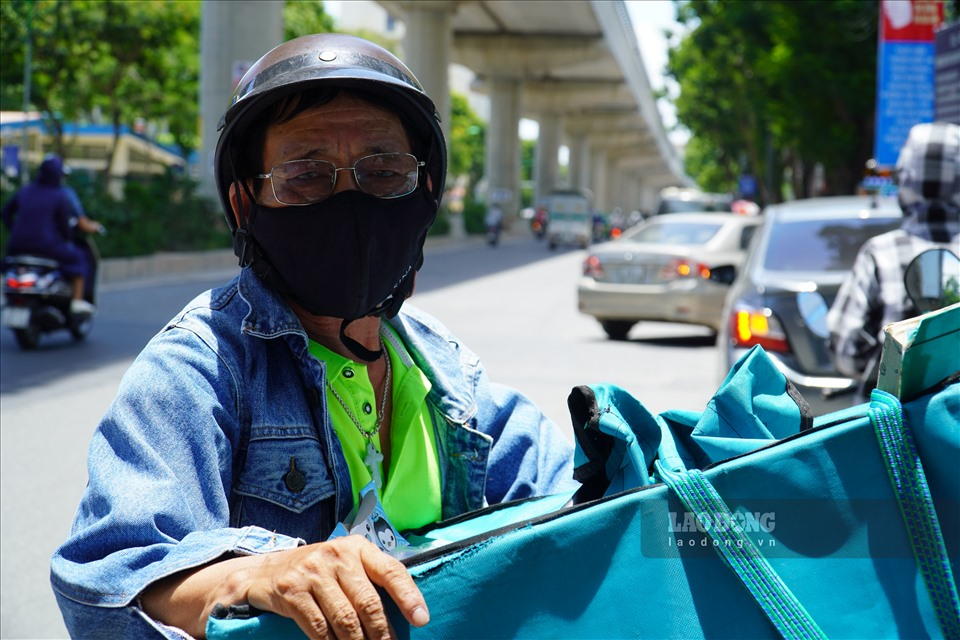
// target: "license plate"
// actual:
[[15, 317], [629, 275]]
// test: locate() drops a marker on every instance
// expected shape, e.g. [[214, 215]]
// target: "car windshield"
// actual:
[[675, 233], [691, 206], [821, 245]]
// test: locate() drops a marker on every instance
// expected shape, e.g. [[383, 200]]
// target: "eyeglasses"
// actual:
[[384, 175]]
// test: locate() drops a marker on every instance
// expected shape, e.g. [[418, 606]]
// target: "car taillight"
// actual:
[[593, 268], [684, 269], [751, 326]]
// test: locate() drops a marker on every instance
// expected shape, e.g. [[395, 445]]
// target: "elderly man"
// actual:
[[243, 433]]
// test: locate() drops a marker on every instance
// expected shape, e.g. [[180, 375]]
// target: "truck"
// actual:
[[569, 218]]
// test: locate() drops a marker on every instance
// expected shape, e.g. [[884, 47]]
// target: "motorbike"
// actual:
[[493, 234], [37, 296], [930, 281], [538, 225]]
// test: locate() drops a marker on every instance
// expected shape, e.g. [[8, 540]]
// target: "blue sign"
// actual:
[[748, 185], [11, 160], [905, 95]]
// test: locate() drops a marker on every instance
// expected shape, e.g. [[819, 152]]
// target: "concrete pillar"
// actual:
[[548, 146], [233, 35], [598, 177], [503, 145], [428, 51], [579, 168]]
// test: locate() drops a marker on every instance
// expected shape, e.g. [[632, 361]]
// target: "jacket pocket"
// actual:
[[284, 483]]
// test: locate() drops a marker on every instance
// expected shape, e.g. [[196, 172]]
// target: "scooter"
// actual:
[[37, 296]]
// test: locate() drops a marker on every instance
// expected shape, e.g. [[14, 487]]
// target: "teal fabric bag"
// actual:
[[749, 519]]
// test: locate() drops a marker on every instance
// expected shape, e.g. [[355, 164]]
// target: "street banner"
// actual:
[[905, 72]]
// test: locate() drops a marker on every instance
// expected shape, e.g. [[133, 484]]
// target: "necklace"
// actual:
[[373, 458]]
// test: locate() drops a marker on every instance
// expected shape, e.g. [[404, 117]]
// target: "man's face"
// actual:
[[341, 131]]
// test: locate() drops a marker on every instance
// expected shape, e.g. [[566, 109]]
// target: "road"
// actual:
[[514, 305]]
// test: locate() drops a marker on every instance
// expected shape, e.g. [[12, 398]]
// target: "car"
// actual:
[[803, 246], [679, 200], [659, 270]]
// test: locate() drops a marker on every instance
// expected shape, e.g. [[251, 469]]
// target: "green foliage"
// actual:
[[474, 211], [303, 17], [123, 60], [163, 213], [769, 85], [467, 140]]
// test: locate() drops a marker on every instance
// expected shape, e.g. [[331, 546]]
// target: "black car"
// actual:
[[803, 246]]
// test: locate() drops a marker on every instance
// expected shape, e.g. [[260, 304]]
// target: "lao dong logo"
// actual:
[[747, 522]]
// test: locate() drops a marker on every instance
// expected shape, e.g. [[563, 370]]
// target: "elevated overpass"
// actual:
[[572, 66]]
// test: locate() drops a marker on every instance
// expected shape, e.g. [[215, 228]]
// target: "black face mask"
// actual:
[[349, 256]]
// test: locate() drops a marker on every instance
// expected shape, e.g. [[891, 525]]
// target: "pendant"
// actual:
[[373, 460]]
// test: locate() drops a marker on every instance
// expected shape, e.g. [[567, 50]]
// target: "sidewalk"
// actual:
[[114, 270]]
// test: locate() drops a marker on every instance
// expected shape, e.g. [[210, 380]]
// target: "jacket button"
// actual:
[[348, 373], [295, 479], [367, 408]]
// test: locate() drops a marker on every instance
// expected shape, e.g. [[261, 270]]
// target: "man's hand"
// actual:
[[328, 589]]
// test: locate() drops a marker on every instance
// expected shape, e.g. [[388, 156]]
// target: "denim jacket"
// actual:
[[192, 460]]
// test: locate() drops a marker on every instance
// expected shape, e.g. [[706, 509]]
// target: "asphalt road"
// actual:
[[515, 305]]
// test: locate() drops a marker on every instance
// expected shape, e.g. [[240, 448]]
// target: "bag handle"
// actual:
[[916, 507], [736, 549]]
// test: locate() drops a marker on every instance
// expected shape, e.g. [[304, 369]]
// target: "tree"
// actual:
[[467, 140], [773, 84], [303, 17]]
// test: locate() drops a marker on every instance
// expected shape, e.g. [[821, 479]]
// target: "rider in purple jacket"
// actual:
[[42, 217]]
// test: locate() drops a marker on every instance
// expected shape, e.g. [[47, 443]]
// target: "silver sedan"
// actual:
[[660, 270]]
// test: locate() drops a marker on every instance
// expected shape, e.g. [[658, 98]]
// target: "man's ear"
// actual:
[[238, 196]]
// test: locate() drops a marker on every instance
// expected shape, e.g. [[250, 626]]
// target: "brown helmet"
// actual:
[[328, 60]]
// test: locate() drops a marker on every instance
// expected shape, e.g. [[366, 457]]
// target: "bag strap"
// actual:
[[917, 508], [740, 553]]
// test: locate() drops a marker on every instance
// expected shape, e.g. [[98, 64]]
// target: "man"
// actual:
[[242, 434], [874, 295], [42, 218]]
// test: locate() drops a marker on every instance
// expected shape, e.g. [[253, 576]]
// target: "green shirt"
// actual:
[[411, 493]]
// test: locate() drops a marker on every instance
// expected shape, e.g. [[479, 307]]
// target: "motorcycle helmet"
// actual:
[[928, 168], [322, 61]]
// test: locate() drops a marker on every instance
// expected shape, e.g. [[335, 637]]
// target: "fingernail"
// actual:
[[420, 616]]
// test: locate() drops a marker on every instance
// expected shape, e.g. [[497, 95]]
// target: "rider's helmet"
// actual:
[[319, 61], [928, 168]]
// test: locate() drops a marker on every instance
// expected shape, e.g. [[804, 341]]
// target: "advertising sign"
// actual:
[[905, 66], [947, 74]]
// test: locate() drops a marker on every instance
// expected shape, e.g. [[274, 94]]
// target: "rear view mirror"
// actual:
[[932, 280]]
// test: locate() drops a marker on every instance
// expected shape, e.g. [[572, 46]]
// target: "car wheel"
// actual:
[[617, 329]]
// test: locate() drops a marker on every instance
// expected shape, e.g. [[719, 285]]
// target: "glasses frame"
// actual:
[[336, 172]]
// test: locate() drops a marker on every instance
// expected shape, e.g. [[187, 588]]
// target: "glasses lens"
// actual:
[[387, 175], [303, 181]]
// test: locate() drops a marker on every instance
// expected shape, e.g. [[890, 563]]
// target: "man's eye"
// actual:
[[306, 176]]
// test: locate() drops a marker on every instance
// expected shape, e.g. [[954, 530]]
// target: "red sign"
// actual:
[[910, 20]]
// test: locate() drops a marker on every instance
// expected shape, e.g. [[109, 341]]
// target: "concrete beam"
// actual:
[[526, 56], [575, 96]]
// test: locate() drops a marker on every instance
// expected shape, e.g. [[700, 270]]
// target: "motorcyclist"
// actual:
[[42, 217], [873, 294]]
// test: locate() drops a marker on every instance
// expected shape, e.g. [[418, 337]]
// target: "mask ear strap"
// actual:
[[356, 348], [242, 242]]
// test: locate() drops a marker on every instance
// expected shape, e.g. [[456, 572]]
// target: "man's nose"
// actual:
[[345, 180]]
